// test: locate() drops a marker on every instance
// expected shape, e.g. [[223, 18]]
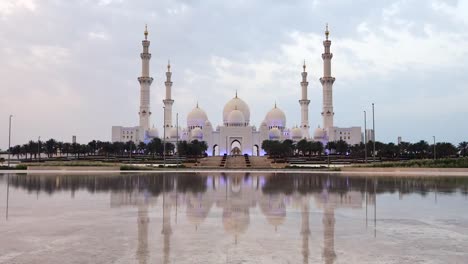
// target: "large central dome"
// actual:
[[236, 104]]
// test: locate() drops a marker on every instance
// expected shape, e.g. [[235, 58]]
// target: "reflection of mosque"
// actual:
[[237, 195]]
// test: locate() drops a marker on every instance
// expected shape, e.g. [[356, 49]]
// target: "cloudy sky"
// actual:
[[70, 67]]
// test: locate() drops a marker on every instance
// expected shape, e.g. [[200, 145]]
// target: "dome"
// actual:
[[274, 134], [197, 117], [276, 118], [236, 117], [296, 133], [152, 133], [196, 133], [173, 132], [236, 104], [319, 133], [207, 123]]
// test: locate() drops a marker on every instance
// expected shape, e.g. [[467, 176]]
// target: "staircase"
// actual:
[[223, 161], [247, 161]]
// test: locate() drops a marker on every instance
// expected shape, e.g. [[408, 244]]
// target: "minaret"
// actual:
[[304, 102], [145, 84], [168, 101], [327, 83]]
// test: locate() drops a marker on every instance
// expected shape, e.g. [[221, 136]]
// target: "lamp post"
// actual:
[[39, 148], [177, 138], [9, 140], [365, 137], [164, 137], [434, 147], [373, 133]]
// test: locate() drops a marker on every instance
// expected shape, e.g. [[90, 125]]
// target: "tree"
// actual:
[[341, 147], [331, 145], [50, 147], [302, 146], [463, 148], [445, 149]]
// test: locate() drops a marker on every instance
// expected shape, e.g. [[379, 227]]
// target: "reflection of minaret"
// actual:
[[305, 231], [166, 228], [145, 83], [329, 234], [304, 102], [327, 83], [168, 101], [142, 250]]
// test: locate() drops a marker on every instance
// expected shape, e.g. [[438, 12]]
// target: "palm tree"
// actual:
[[463, 148]]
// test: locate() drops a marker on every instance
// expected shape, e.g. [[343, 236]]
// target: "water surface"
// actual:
[[232, 218]]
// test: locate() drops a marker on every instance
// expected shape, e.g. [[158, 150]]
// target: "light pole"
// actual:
[[164, 137], [39, 148], [373, 133], [9, 140], [365, 137], [177, 138], [434, 148]]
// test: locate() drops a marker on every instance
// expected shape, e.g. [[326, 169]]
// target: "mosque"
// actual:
[[236, 136]]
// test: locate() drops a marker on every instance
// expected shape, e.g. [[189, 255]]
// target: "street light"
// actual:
[[365, 137], [373, 132], [434, 147], [164, 137], [9, 140], [39, 148], [177, 139]]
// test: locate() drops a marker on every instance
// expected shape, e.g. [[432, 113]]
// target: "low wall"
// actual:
[[74, 168], [396, 169]]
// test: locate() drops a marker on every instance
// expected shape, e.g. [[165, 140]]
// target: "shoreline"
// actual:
[[345, 171]]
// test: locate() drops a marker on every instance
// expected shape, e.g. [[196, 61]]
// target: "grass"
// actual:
[[424, 163]]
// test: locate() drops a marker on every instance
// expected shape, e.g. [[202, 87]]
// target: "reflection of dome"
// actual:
[[236, 104], [197, 117], [276, 118], [296, 133], [196, 133], [197, 209], [236, 118], [274, 134], [152, 133], [236, 220], [274, 209], [319, 133]]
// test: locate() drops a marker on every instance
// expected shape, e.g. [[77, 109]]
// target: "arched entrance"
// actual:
[[236, 148], [256, 151], [215, 150]]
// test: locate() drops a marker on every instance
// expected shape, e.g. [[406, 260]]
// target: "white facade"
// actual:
[[236, 135]]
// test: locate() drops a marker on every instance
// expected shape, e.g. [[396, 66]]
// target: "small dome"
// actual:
[[173, 132], [236, 117], [196, 133], [197, 117], [236, 104], [319, 133], [296, 133], [152, 133], [276, 118], [207, 123], [274, 134]]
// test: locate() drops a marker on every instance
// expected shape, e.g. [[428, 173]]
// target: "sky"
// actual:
[[70, 67]]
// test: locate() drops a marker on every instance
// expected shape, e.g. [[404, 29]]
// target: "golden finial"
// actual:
[[197, 104], [168, 65], [236, 93], [275, 103], [304, 66], [146, 32], [327, 32]]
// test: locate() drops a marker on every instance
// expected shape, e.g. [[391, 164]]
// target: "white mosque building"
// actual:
[[236, 135]]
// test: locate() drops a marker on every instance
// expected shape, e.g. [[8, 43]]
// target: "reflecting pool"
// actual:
[[232, 218]]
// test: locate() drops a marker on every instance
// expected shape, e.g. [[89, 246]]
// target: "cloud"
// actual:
[[7, 7]]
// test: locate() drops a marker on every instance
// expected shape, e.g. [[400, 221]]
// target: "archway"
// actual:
[[215, 150], [236, 148], [256, 151]]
